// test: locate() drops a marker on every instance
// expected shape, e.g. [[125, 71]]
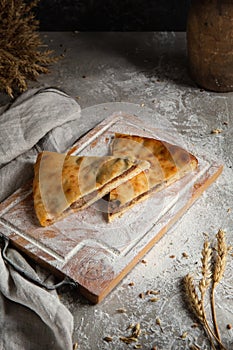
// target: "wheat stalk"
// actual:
[[210, 273], [197, 306], [21, 57], [219, 268]]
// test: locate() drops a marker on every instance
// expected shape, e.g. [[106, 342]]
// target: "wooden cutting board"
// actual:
[[84, 246]]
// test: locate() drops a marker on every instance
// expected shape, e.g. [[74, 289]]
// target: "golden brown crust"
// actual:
[[63, 184], [168, 163]]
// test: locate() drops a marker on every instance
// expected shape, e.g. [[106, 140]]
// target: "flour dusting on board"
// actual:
[[87, 248]]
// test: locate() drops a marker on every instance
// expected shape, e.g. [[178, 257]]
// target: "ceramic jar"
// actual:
[[210, 44]]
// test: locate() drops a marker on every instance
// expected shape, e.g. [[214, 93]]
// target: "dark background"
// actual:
[[112, 15]]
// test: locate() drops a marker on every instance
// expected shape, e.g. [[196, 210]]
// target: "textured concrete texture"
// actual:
[[149, 71]]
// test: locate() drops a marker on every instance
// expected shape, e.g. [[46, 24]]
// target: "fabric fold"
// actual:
[[39, 318], [30, 316], [32, 117], [39, 119]]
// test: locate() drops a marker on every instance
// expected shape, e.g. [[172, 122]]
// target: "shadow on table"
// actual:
[[159, 55]]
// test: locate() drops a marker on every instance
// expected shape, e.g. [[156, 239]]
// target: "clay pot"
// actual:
[[210, 44]]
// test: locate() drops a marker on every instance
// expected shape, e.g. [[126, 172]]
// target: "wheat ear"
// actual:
[[206, 269], [193, 298], [205, 280], [196, 303], [197, 306], [219, 268]]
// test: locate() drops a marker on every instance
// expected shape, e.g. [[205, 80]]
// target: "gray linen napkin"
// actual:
[[29, 125], [32, 318]]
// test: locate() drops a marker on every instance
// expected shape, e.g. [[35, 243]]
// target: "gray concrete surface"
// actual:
[[150, 70]]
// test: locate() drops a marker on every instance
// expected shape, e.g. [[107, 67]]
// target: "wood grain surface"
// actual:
[[84, 246]]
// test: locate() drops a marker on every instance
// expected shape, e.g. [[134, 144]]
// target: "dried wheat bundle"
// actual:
[[21, 57], [212, 272]]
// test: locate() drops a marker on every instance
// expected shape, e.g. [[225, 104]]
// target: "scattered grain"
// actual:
[[216, 131], [153, 300], [121, 311], [197, 185], [130, 326], [184, 335], [185, 255], [136, 330], [128, 340], [158, 322], [144, 261], [154, 292], [172, 256], [195, 325], [131, 284], [142, 295], [108, 339], [229, 326]]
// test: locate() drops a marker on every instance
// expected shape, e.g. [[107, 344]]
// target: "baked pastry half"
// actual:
[[168, 163], [64, 184]]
